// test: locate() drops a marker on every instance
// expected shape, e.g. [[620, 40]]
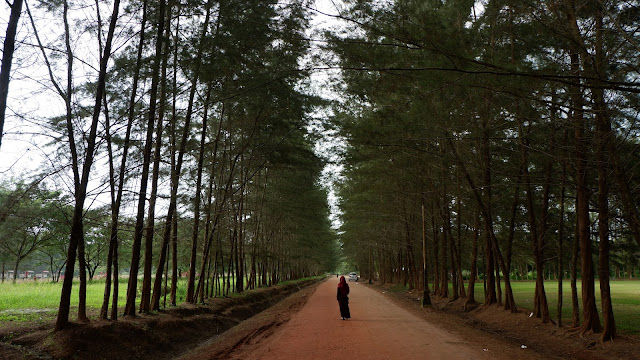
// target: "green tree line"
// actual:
[[492, 137], [179, 143], [484, 138]]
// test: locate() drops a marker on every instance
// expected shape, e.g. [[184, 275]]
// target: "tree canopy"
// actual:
[[481, 141]]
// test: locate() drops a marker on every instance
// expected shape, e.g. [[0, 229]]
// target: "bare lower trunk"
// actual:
[[609, 330], [426, 299], [490, 279], [575, 307], [436, 255], [538, 229], [474, 265], [444, 277], [82, 289], [459, 241], [65, 296], [107, 286], [174, 263], [560, 249], [498, 285], [15, 268], [116, 277]]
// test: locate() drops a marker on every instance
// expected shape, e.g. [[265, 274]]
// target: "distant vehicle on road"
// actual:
[[353, 277]]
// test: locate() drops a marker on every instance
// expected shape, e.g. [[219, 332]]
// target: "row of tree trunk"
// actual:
[[515, 154], [241, 237]]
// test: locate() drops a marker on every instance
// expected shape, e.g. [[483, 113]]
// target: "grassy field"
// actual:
[[36, 300], [39, 300], [625, 296]]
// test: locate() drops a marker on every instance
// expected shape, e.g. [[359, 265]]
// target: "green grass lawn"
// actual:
[[35, 300], [39, 300], [625, 296]]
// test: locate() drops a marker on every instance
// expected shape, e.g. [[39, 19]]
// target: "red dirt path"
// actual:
[[378, 329]]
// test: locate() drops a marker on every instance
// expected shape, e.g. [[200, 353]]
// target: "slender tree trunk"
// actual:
[[157, 286], [230, 265], [175, 272], [609, 331], [81, 186], [426, 299], [498, 286], [174, 263], [82, 293], [540, 300], [209, 285], [209, 231], [117, 199], [167, 232], [436, 254], [76, 227], [145, 296], [116, 283], [451, 244], [483, 199], [459, 242], [444, 277], [510, 301], [589, 311], [575, 309], [454, 272], [590, 314], [112, 187], [107, 287], [216, 275], [490, 296], [15, 268], [471, 298], [7, 57], [165, 290], [196, 205], [407, 244], [560, 239], [150, 230], [132, 289], [212, 210], [604, 137], [236, 251], [544, 306]]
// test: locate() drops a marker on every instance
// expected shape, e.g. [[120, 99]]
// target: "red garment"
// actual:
[[343, 287], [343, 299]]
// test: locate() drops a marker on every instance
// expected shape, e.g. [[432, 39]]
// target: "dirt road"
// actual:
[[378, 329]]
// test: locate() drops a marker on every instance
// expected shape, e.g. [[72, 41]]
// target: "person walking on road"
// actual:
[[343, 299]]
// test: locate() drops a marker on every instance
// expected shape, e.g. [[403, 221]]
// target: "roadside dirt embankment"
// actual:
[[162, 335]]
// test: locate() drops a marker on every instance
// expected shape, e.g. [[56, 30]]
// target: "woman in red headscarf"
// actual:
[[343, 299]]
